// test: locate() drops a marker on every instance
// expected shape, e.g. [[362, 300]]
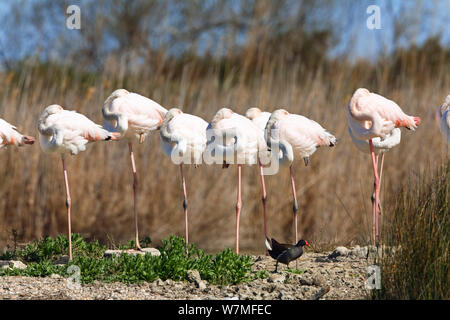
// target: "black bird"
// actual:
[[283, 252]]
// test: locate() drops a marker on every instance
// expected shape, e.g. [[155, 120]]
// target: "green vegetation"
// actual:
[[225, 267], [419, 228]]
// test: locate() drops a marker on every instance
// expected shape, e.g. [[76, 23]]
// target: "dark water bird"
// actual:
[[283, 252]]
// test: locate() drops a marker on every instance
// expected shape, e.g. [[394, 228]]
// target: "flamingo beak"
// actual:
[[28, 140]]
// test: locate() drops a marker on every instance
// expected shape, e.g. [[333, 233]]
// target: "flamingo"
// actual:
[[183, 138], [242, 140], [260, 118], [294, 134], [380, 146], [443, 117], [66, 131], [370, 116], [10, 136], [133, 116]]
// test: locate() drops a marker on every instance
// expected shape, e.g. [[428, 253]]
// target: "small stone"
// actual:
[[339, 251], [55, 276], [306, 281], [18, 264], [144, 251], [201, 285], [159, 282], [151, 251], [318, 280], [193, 276]]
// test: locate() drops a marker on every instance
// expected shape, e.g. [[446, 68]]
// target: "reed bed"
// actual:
[[333, 191]]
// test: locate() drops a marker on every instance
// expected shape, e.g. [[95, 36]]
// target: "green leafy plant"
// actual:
[[175, 261]]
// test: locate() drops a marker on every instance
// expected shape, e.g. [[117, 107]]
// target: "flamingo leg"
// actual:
[[185, 203], [135, 184], [373, 206], [377, 182], [238, 207], [68, 205], [264, 197], [380, 207], [295, 206]]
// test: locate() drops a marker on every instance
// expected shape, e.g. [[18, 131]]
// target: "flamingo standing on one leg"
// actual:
[[133, 116], [294, 134], [66, 131], [443, 117], [260, 118], [370, 116], [238, 137], [183, 138], [10, 136], [381, 146]]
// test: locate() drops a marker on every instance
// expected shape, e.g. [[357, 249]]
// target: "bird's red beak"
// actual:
[[306, 242]]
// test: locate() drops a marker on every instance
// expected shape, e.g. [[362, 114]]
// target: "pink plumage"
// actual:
[[67, 131], [371, 115], [298, 135], [132, 114], [289, 135], [10, 136]]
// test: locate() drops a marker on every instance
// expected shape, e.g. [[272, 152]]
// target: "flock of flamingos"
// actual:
[[374, 124]]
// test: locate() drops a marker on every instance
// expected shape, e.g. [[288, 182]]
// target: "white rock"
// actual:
[[193, 276], [339, 251], [201, 285], [117, 253], [18, 264], [152, 251]]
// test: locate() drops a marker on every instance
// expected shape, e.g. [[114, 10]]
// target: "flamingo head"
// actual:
[[53, 109], [279, 114], [253, 113], [173, 112], [28, 140], [224, 113]]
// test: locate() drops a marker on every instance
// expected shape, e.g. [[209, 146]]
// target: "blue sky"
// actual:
[[349, 14]]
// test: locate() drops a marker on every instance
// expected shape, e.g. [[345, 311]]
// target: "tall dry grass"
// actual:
[[418, 224], [333, 191]]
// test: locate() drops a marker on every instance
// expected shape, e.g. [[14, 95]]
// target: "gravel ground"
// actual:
[[340, 274]]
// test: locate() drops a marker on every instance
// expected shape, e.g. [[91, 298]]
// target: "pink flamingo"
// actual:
[[260, 118], [443, 118], [294, 134], [370, 116], [10, 136], [183, 139], [133, 116], [66, 131], [236, 140]]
